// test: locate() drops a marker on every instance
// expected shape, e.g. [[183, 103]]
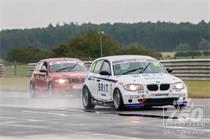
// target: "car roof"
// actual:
[[121, 57], [60, 59]]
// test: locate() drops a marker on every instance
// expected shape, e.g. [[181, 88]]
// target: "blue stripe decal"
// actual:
[[135, 105]]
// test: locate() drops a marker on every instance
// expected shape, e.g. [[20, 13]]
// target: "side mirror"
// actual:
[[169, 70], [105, 73]]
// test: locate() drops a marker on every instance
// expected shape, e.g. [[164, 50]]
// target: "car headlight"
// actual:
[[134, 87], [178, 86], [61, 81]]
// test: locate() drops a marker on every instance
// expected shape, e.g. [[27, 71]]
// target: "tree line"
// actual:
[[159, 36], [85, 45]]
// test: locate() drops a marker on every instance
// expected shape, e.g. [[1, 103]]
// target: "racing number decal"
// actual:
[[103, 89]]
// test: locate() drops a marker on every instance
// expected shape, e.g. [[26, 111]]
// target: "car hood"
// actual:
[[68, 75], [148, 78]]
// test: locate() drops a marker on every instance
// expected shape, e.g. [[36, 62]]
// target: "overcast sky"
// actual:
[[39, 13]]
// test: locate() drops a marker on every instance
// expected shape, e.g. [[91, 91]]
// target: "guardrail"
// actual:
[[1, 70], [187, 69]]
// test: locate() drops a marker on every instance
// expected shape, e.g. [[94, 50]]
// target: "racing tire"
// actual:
[[118, 101], [32, 91], [87, 99], [50, 90]]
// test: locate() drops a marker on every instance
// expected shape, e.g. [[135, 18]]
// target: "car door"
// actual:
[[43, 83], [36, 75], [105, 81], [93, 78]]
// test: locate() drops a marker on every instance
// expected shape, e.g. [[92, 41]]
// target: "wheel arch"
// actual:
[[85, 86], [116, 88]]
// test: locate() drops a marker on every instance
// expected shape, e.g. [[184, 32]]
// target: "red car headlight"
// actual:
[[61, 81]]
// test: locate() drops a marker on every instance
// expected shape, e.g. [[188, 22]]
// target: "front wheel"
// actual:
[[50, 90], [118, 101], [87, 100], [32, 92]]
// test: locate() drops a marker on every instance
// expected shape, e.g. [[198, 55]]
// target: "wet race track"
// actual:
[[63, 117]]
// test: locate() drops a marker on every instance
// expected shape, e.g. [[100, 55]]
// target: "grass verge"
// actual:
[[21, 70], [14, 84], [198, 89]]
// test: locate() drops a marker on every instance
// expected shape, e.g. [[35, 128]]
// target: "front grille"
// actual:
[[76, 80], [159, 101], [164, 87], [155, 87], [152, 87]]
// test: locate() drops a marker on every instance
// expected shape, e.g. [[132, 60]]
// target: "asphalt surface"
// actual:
[[63, 117]]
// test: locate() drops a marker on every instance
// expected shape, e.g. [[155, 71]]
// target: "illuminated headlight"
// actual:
[[178, 86], [61, 81], [134, 87]]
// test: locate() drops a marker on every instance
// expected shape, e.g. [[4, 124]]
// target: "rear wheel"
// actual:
[[32, 92], [50, 90], [87, 99], [118, 101]]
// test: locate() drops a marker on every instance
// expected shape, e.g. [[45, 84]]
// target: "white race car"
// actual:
[[131, 81]]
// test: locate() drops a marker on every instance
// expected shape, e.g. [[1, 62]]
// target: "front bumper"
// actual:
[[67, 89], [57, 86], [160, 99]]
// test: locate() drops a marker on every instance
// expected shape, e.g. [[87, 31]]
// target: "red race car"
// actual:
[[56, 75]]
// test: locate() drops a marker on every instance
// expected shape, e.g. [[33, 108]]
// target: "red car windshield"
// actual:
[[67, 66]]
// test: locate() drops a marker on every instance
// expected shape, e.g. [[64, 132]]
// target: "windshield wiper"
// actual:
[[70, 68], [132, 70], [145, 68]]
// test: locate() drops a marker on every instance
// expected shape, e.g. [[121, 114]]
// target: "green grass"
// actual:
[[14, 84], [198, 89], [21, 70]]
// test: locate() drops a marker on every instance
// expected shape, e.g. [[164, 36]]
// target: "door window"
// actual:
[[98, 66], [106, 67]]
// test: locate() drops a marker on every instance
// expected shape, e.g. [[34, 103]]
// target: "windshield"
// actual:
[[138, 67], [67, 66]]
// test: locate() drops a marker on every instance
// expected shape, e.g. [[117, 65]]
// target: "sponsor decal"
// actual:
[[161, 94], [109, 80], [103, 89], [129, 61]]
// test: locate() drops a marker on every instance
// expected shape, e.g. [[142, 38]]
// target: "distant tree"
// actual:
[[137, 49], [183, 47], [28, 54], [87, 45], [160, 36], [204, 45], [60, 50]]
